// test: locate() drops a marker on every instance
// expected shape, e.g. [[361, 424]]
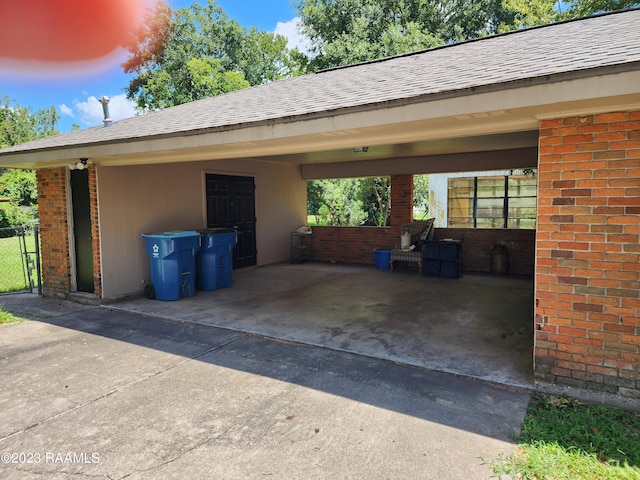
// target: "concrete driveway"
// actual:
[[95, 392]]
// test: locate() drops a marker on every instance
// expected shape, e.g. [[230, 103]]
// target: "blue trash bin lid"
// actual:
[[176, 234]]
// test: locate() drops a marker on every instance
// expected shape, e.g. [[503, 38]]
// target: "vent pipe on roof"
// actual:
[[104, 100]]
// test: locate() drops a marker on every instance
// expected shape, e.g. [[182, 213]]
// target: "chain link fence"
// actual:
[[20, 260]]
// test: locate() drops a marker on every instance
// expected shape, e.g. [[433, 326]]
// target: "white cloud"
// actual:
[[66, 110], [91, 113], [291, 30]]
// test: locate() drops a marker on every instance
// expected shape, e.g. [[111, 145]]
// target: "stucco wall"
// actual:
[[156, 198]]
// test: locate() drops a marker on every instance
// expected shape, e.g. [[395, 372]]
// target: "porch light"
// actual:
[[81, 165], [360, 149]]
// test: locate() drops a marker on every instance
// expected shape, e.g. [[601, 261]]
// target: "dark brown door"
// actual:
[[231, 204], [82, 230]]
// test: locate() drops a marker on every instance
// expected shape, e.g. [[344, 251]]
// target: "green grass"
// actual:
[[8, 317], [12, 277], [563, 439]]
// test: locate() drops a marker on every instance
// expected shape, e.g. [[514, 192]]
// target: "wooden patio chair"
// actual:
[[420, 231]]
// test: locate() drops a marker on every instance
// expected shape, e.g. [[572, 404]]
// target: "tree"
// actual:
[[198, 52], [375, 196], [18, 125], [340, 205], [314, 198], [349, 31], [529, 13], [351, 201], [421, 193], [147, 43], [583, 8], [19, 185]]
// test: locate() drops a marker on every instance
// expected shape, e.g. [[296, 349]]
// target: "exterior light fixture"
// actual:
[[81, 165], [361, 149]]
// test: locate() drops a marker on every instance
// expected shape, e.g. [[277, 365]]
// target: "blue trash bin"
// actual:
[[215, 258], [172, 257], [383, 258]]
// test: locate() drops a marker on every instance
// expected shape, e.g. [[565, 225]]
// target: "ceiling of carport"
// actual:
[[480, 143]]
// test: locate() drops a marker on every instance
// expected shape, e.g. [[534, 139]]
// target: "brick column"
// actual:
[[53, 198], [401, 199], [588, 253], [54, 234]]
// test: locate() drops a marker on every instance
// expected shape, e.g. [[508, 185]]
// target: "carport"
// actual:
[[476, 326], [562, 98]]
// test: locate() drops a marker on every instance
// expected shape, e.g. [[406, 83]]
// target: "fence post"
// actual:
[[36, 235], [24, 257]]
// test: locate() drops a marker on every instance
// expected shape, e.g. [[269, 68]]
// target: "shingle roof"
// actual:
[[575, 47]]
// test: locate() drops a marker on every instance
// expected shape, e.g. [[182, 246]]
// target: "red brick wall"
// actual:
[[588, 253], [54, 231], [54, 236], [352, 244], [356, 245], [401, 200], [478, 242]]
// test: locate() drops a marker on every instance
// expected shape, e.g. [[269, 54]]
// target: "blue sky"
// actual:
[[74, 94]]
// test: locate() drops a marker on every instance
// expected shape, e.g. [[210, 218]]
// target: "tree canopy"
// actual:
[[20, 124], [529, 13], [583, 8], [21, 187], [197, 52]]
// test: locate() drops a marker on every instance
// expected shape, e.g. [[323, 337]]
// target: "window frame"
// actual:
[[504, 219]]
